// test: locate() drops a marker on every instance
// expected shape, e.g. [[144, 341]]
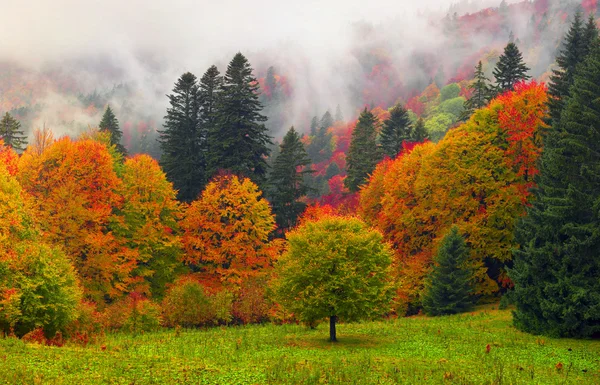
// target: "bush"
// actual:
[[187, 304], [251, 305], [143, 316], [38, 290], [450, 91], [88, 324]]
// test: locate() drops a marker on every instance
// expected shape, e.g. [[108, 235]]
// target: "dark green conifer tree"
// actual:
[[12, 134], [449, 286], [332, 170], [239, 141], [364, 153], [419, 133], [572, 53], [180, 140], [320, 148], [287, 181], [271, 82], [556, 270], [396, 129], [510, 69], [314, 126], [208, 95], [109, 123], [326, 120], [481, 93]]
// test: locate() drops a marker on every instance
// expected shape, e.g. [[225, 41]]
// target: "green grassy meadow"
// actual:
[[443, 350]]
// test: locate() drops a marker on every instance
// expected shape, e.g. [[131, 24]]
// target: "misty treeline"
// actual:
[[465, 193]]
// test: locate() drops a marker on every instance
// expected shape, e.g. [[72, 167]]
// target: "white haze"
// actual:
[[148, 44]]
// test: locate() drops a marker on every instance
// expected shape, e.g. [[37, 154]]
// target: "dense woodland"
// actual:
[[466, 189]]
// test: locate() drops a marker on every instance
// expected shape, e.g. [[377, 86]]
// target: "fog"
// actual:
[[318, 45]]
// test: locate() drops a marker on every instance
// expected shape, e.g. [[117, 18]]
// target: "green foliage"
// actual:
[[396, 129], [12, 134], [180, 140], [38, 289], [557, 290], [450, 91], [239, 141], [321, 146], [109, 123], [510, 69], [286, 181], [449, 286], [335, 267], [143, 315], [420, 132], [454, 106], [364, 153], [187, 304], [437, 125]]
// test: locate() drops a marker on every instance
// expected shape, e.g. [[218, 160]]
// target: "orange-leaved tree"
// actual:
[[74, 191], [226, 232]]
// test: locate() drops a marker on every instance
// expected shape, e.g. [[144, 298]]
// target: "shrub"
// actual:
[[250, 305]]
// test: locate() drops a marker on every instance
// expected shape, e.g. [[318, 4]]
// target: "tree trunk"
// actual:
[[332, 336]]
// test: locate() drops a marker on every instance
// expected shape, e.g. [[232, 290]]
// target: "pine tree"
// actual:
[[562, 78], [590, 33], [363, 154], [557, 290], [339, 117], [481, 94], [287, 181], [180, 140], [109, 123], [314, 126], [239, 141], [510, 69], [271, 82], [449, 286], [208, 95], [396, 129], [326, 120], [419, 133], [11, 133]]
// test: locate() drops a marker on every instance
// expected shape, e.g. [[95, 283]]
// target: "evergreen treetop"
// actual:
[[109, 123], [396, 129], [481, 93], [510, 69], [11, 133], [364, 153]]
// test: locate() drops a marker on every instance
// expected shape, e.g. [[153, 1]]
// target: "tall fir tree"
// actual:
[[573, 52], [510, 69], [396, 129], [364, 153], [208, 95], [180, 140], [555, 273], [12, 134], [287, 181], [481, 93], [239, 141], [110, 123], [419, 133], [314, 126], [326, 120], [449, 286]]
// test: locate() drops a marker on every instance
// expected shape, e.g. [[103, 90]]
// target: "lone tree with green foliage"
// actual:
[[576, 46], [110, 124], [481, 94], [287, 180], [364, 153], [396, 129], [510, 69], [239, 141], [557, 289], [180, 140], [336, 268], [11, 133], [449, 286]]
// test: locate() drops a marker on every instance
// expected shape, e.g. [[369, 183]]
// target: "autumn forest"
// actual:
[[432, 185]]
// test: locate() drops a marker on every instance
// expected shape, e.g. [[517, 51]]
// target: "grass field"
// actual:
[[414, 350]]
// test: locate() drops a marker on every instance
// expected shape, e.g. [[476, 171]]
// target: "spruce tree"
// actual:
[[396, 129], [557, 290], [572, 53], [449, 286], [286, 181], [109, 123], [510, 69], [180, 140], [239, 141], [271, 82], [419, 133], [481, 93], [314, 126], [363, 154], [326, 120], [208, 96], [12, 134], [320, 148]]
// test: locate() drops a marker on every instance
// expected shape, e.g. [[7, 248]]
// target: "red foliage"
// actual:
[[9, 158], [416, 106]]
